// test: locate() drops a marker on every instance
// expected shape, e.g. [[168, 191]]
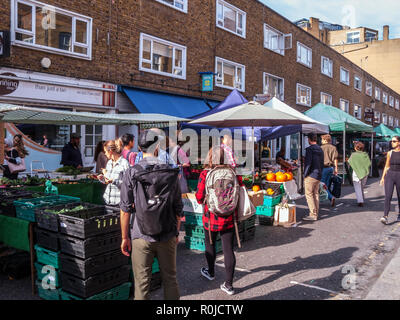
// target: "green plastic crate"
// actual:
[[265, 211], [48, 294], [155, 267], [272, 201], [196, 243], [196, 231], [120, 292], [25, 209], [47, 257], [55, 280], [192, 184], [195, 219]]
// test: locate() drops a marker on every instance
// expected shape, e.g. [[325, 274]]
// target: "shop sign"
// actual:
[[4, 43], [207, 81], [7, 86]]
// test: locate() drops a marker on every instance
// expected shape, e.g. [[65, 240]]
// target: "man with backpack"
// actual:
[[152, 188]]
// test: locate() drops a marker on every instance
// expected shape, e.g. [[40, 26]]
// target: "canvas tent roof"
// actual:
[[384, 132]]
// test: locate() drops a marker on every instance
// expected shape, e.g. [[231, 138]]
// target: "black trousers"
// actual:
[[392, 179], [227, 238]]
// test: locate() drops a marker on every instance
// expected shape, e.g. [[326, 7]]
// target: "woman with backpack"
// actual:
[[217, 174]]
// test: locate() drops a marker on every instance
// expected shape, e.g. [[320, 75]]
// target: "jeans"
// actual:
[[327, 174], [312, 195], [392, 179]]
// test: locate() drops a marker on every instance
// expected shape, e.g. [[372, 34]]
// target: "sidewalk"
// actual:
[[387, 287]]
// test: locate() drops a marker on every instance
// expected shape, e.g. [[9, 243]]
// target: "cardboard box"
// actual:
[[285, 215], [190, 203], [257, 198]]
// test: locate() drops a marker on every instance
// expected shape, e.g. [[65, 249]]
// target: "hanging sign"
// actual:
[[4, 43], [206, 81]]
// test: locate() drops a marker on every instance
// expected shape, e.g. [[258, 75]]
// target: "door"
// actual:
[[91, 135]]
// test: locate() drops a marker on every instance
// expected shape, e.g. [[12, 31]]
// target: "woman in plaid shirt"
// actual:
[[223, 225]]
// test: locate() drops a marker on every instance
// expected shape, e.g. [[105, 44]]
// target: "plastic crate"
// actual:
[[55, 280], [95, 284], [47, 239], [47, 257], [272, 201], [249, 233], [192, 184], [90, 247], [265, 220], [25, 209], [195, 219], [196, 231], [47, 294], [155, 267], [7, 198], [120, 292], [195, 243], [250, 222], [265, 211], [84, 269]]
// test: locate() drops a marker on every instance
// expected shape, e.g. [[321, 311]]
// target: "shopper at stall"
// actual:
[[100, 157], [71, 154], [147, 243], [180, 157], [361, 164], [391, 177], [113, 173], [314, 163], [128, 141], [214, 224], [14, 153], [330, 164], [226, 144], [280, 159]]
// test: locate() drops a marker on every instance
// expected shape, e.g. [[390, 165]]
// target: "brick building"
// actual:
[[155, 49]]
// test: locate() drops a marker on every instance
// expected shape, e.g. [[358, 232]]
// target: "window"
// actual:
[[368, 88], [368, 114], [358, 83], [384, 119], [391, 101], [390, 121], [326, 98], [357, 111], [303, 95], [377, 117], [162, 57], [396, 122], [397, 106], [327, 66], [230, 75], [385, 97], [353, 37], [43, 27], [176, 4], [275, 86], [377, 93], [344, 105], [344, 76], [276, 41], [231, 18], [304, 55], [369, 36]]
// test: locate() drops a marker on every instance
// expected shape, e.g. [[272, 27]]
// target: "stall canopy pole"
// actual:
[[344, 150], [372, 152], [301, 163], [252, 152], [298, 161]]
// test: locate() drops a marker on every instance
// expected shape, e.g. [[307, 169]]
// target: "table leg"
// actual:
[[32, 253]]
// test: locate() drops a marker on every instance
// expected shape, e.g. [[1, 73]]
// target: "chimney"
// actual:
[[314, 22], [386, 32]]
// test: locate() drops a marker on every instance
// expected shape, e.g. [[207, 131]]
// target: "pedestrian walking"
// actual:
[[330, 164], [218, 176], [152, 187], [128, 141], [314, 163], [361, 164], [391, 177]]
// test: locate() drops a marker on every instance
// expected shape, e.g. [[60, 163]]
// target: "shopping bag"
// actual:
[[246, 208], [336, 186]]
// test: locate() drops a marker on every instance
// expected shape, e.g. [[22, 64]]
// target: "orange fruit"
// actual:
[[289, 176], [271, 177], [256, 188], [281, 178]]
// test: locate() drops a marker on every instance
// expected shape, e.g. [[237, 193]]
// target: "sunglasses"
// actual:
[[395, 141]]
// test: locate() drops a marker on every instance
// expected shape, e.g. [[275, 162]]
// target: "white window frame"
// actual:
[[236, 65], [385, 119], [282, 38], [355, 82], [391, 101], [330, 98], [75, 17], [309, 59], [368, 86], [390, 121], [348, 80], [265, 83], [183, 2], [385, 100], [330, 61], [396, 122], [377, 93], [354, 33], [348, 105], [298, 98], [144, 36], [369, 110], [377, 114], [397, 105], [238, 11], [359, 114]]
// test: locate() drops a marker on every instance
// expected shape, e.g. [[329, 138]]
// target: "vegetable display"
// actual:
[[66, 210], [69, 170]]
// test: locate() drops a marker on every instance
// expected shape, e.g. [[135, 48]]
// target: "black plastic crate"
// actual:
[[7, 198], [85, 249], [265, 220], [249, 233], [85, 268], [94, 284], [92, 221], [47, 239]]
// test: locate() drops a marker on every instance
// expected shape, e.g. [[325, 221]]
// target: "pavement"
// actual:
[[348, 254]]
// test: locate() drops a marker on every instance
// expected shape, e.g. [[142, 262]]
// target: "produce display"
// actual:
[[69, 170], [25, 181], [66, 210]]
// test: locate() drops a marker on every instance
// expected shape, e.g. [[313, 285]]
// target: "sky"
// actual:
[[354, 13]]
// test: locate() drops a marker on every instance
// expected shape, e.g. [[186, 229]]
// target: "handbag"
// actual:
[[246, 208], [15, 168]]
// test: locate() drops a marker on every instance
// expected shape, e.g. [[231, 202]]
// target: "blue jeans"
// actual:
[[327, 174]]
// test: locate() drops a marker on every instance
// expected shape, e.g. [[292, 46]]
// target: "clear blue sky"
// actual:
[[354, 13]]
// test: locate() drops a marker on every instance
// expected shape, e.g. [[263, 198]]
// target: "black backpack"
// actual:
[[155, 187]]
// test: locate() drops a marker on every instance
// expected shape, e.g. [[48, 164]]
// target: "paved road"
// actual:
[[304, 262]]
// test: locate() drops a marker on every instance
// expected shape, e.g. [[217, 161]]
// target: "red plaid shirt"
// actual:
[[217, 223]]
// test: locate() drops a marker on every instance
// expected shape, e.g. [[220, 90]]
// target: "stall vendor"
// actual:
[[71, 154], [281, 161]]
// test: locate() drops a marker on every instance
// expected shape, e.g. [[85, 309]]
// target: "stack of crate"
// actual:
[[266, 212], [247, 229], [7, 198]]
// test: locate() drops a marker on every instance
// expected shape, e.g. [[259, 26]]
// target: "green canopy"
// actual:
[[337, 119], [384, 132], [397, 130]]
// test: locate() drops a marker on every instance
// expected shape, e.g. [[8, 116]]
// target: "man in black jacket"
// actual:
[[71, 154], [314, 163]]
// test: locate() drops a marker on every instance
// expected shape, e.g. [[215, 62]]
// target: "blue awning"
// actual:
[[147, 101]]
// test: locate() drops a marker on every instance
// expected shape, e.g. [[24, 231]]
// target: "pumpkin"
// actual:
[[271, 177], [289, 176], [281, 177], [256, 188]]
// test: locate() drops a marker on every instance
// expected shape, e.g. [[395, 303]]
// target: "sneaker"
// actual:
[[204, 272], [384, 220], [309, 218], [226, 289]]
